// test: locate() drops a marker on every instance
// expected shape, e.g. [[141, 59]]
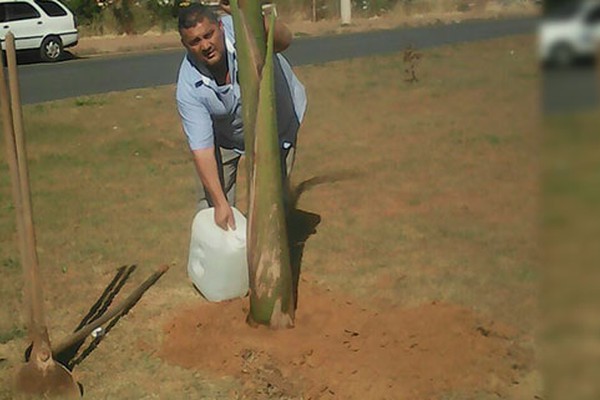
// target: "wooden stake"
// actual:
[[41, 375], [37, 323]]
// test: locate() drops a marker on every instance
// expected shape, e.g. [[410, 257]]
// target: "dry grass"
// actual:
[[440, 183], [428, 193]]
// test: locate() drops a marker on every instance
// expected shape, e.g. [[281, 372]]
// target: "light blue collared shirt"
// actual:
[[212, 114]]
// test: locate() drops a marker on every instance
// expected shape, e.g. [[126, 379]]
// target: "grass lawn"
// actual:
[[570, 204], [420, 281]]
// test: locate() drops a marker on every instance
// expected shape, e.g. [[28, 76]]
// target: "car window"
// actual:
[[51, 8], [563, 12], [20, 11], [2, 13], [594, 16]]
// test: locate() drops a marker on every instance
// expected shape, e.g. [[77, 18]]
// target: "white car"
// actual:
[[570, 32], [47, 25]]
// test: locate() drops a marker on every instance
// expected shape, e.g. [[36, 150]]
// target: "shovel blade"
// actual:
[[48, 379]]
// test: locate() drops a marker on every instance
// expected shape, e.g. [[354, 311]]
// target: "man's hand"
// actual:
[[224, 217], [206, 165], [282, 36], [225, 6]]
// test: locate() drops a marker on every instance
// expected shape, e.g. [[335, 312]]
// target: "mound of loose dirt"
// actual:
[[340, 349]]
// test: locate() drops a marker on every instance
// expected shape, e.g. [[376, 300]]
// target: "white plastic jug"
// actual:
[[217, 262]]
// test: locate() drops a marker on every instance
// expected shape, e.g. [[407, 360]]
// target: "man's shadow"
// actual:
[[303, 224]]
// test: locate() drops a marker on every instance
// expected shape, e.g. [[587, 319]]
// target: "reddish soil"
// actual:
[[340, 349]]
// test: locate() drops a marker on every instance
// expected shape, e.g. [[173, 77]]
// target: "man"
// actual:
[[209, 103]]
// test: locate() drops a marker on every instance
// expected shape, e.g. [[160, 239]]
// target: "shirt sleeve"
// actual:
[[227, 21], [196, 121]]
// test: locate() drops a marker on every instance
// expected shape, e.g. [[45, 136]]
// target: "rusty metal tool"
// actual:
[[41, 375]]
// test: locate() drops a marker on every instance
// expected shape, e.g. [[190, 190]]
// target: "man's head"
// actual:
[[202, 34]]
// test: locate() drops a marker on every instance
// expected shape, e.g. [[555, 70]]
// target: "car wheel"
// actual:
[[51, 49], [562, 55]]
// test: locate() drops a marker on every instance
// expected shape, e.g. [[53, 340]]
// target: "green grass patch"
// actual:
[[12, 334]]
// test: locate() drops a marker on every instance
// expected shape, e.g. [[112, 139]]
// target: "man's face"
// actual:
[[205, 42]]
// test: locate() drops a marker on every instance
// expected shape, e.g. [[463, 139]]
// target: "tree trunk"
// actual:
[[271, 292], [251, 48]]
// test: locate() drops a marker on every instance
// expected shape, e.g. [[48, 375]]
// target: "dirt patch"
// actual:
[[341, 349]]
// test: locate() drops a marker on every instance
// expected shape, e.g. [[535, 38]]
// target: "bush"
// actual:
[[163, 13], [331, 8], [123, 16], [87, 11], [373, 7]]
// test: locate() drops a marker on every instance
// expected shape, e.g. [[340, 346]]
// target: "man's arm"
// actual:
[[206, 166], [282, 36], [198, 128]]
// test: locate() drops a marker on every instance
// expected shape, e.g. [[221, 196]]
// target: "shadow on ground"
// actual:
[[303, 224], [26, 57], [99, 320]]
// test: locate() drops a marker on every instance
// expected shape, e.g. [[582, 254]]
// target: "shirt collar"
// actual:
[[229, 44], [199, 70]]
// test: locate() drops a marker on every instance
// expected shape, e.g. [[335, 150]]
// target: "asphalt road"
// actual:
[[44, 82], [570, 89]]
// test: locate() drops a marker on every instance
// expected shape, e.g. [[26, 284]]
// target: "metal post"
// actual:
[[346, 12]]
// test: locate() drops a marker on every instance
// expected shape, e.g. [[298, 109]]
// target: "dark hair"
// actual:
[[192, 14]]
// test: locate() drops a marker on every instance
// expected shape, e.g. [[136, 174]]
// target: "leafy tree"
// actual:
[[85, 10], [164, 12]]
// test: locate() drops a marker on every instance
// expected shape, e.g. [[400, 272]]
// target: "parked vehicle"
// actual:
[[47, 25], [569, 33]]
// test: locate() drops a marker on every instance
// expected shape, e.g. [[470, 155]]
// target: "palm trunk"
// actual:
[[271, 292], [250, 45]]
